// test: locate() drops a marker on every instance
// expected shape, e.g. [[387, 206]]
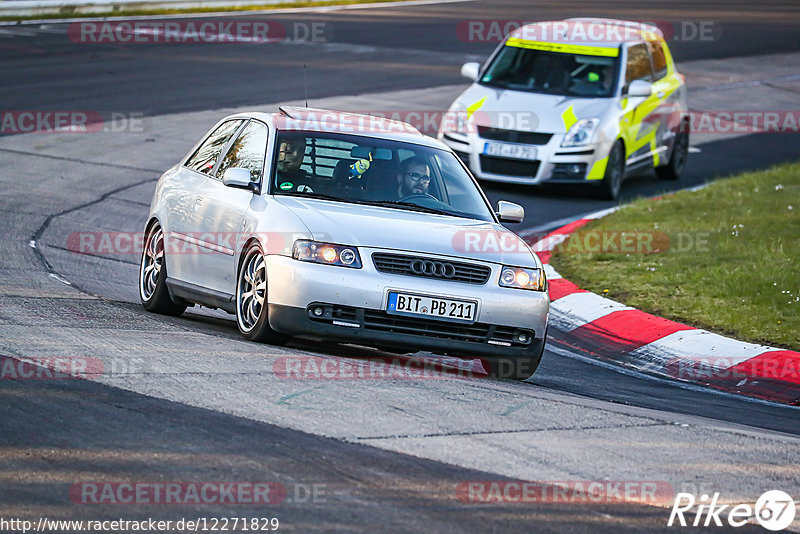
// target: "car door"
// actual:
[[667, 88], [181, 251], [221, 217], [639, 126]]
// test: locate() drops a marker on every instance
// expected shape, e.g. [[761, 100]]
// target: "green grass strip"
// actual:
[[725, 258]]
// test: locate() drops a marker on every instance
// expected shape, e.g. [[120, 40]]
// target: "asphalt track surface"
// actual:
[[55, 433]]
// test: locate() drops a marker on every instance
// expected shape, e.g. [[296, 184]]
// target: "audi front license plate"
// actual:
[[431, 307]]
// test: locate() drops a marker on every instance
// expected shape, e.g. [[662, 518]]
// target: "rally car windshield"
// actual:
[[552, 73]]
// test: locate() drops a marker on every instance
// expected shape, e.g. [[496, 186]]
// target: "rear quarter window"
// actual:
[[659, 59], [638, 65]]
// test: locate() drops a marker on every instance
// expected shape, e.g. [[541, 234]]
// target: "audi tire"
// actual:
[[252, 305], [153, 290], [515, 368]]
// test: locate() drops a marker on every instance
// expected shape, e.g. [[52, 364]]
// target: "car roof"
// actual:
[[292, 118], [599, 32]]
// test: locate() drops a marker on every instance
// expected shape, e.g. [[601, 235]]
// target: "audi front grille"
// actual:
[[468, 273], [379, 320]]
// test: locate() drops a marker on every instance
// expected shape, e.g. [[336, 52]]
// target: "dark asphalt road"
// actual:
[[362, 51], [112, 435]]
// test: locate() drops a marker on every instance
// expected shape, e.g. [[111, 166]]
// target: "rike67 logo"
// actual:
[[774, 510]]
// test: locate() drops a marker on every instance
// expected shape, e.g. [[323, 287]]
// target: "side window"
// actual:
[[659, 59], [206, 156], [638, 67], [247, 152]]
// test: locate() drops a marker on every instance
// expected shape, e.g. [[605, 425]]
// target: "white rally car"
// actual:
[[573, 101]]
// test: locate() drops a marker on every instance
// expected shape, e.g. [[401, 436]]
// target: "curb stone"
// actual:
[[610, 331]]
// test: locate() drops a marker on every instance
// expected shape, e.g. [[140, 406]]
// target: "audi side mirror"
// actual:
[[510, 212], [238, 178]]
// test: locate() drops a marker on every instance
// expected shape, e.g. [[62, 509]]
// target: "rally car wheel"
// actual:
[[615, 171], [677, 161]]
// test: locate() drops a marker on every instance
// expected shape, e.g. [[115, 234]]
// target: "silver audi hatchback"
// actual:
[[345, 227]]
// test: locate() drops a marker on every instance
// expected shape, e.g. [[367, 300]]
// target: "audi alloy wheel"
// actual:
[[252, 306], [153, 290]]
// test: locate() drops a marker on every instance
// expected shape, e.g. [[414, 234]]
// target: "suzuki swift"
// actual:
[[578, 101]]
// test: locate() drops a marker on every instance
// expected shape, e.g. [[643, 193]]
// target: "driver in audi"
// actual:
[[414, 178]]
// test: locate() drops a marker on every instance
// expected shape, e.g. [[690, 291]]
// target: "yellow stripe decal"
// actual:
[[598, 170], [569, 118], [563, 48], [475, 107], [653, 150]]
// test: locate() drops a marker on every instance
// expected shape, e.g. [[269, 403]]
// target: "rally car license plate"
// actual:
[[431, 307], [510, 151]]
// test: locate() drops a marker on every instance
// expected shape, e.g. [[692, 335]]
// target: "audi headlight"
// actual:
[[327, 253], [580, 133], [523, 278]]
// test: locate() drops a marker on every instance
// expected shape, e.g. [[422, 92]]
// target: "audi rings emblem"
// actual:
[[438, 269]]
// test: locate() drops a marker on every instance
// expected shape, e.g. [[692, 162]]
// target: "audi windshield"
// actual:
[[366, 170]]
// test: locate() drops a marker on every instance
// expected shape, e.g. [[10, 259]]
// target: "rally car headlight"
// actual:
[[327, 253], [456, 120], [580, 133], [521, 278]]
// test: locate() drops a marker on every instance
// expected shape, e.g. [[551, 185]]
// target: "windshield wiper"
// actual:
[[411, 205], [320, 196], [383, 203]]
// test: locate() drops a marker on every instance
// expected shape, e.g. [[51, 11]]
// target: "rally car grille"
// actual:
[[514, 136], [468, 273], [509, 167]]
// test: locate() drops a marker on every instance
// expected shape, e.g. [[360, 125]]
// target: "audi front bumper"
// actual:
[[354, 304]]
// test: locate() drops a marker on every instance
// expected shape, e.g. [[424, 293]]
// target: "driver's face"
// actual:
[[415, 180], [290, 155]]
